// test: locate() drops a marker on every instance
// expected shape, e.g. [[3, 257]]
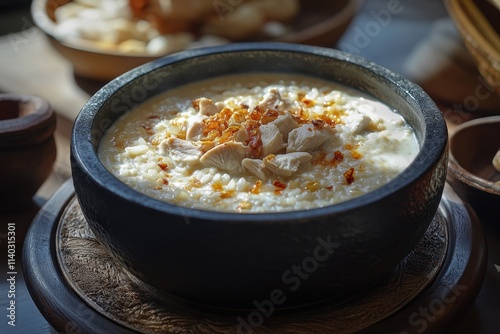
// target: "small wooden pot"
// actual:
[[27, 148]]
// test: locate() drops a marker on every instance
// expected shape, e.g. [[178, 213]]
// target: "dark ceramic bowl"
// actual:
[[473, 145], [290, 258], [27, 148]]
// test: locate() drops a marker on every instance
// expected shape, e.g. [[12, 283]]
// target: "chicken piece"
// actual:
[[179, 150], [279, 10], [207, 107], [182, 10], [272, 100], [285, 124], [358, 122], [256, 167], [226, 157], [272, 140], [164, 44], [238, 24], [286, 164], [241, 136], [496, 161], [69, 10], [307, 138], [194, 127]]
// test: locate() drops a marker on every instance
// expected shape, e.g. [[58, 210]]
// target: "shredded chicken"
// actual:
[[227, 157], [180, 150], [272, 140], [286, 164], [272, 100], [194, 127], [307, 138], [285, 124], [235, 142], [207, 107], [256, 167], [241, 136], [359, 122]]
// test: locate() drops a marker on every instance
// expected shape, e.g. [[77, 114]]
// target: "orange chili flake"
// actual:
[[356, 155], [349, 176], [254, 141], [328, 120], [239, 116], [227, 194], [269, 116], [256, 114], [164, 181], [338, 157], [217, 186], [163, 165], [318, 124], [329, 188], [211, 125], [279, 187], [225, 114], [307, 102], [212, 135], [256, 188]]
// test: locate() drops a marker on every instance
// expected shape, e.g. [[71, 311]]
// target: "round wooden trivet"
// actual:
[[434, 283]]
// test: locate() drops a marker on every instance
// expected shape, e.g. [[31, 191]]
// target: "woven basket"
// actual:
[[473, 20]]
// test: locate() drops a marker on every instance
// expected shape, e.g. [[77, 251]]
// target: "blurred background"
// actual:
[[418, 39], [415, 38]]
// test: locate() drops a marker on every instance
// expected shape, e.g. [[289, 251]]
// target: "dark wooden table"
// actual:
[[28, 65]]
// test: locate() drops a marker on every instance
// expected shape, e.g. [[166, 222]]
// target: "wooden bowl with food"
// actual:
[[104, 39], [475, 163]]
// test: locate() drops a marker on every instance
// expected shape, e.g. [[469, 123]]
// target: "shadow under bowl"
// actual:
[[473, 145], [233, 259]]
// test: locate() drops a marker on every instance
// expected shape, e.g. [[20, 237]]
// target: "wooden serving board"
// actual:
[[78, 286]]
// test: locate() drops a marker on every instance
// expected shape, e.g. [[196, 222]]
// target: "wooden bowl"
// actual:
[[479, 25], [319, 23], [27, 148], [473, 145]]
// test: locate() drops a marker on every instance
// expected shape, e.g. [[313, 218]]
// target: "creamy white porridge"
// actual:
[[258, 143]]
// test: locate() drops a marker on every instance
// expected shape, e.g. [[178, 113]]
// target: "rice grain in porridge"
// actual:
[[258, 143]]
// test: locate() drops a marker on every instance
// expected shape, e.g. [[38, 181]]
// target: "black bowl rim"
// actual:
[[83, 153]]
